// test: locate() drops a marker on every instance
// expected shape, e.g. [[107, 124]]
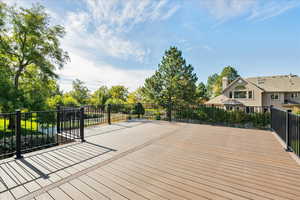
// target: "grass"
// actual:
[[295, 145], [28, 125]]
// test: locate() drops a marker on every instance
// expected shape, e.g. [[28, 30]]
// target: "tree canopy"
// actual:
[[173, 82], [79, 92], [214, 82], [30, 52]]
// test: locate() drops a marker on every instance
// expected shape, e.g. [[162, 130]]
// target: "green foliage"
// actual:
[[69, 101], [211, 81], [201, 93], [118, 93], [54, 101], [138, 109], [29, 39], [30, 53], [214, 82], [221, 116], [174, 82], [79, 92], [8, 97], [37, 89], [136, 96], [100, 97]]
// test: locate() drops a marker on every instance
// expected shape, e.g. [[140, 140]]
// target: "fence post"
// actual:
[[58, 119], [18, 134], [271, 117], [287, 131], [82, 124], [108, 113], [170, 112]]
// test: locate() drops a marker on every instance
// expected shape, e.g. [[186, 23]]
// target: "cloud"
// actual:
[[100, 30], [104, 26], [224, 10], [271, 9], [96, 74]]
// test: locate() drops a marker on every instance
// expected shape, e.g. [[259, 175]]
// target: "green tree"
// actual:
[[27, 39], [201, 92], [211, 81], [118, 93], [136, 96], [80, 92], [7, 91], [214, 82], [69, 101], [229, 72], [36, 89], [174, 82], [100, 97]]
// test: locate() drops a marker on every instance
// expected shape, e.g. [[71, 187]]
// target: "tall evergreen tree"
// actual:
[[174, 82]]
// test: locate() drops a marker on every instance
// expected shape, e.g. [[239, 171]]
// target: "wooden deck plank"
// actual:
[[191, 162], [111, 194], [58, 194], [116, 187], [44, 196], [73, 192], [88, 191]]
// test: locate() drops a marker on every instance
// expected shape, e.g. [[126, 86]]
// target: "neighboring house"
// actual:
[[258, 93]]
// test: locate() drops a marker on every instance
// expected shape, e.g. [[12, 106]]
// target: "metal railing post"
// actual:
[[287, 131], [18, 134], [81, 122], [108, 113], [169, 112], [58, 119], [271, 117]]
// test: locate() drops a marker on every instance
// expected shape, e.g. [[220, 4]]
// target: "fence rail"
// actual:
[[287, 127]]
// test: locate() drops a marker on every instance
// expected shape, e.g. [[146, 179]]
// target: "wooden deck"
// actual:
[[157, 160]]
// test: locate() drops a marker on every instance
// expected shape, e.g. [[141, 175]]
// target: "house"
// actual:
[[258, 93]]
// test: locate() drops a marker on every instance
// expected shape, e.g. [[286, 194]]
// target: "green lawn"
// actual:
[[28, 125]]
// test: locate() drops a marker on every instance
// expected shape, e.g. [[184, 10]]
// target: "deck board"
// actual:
[[159, 161]]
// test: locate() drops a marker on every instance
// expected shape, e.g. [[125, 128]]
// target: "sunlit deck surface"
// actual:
[[156, 160]]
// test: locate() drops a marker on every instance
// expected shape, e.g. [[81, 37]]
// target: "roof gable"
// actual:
[[243, 80]]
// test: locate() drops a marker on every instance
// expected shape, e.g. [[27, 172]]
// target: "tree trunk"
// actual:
[[16, 81]]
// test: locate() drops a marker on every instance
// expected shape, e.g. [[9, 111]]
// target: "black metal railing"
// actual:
[[22, 132], [287, 126], [95, 115], [7, 135]]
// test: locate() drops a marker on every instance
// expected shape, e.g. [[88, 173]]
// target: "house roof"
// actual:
[[218, 100], [282, 83], [223, 100]]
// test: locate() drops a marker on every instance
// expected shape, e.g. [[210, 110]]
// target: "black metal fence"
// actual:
[[7, 135], [287, 126], [22, 132]]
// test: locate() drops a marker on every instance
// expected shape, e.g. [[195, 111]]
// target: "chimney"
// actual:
[[224, 82]]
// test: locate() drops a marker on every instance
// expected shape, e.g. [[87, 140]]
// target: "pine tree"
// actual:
[[174, 82]]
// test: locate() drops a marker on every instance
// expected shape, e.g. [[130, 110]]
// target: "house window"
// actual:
[[294, 95], [240, 94], [250, 95], [275, 96], [249, 109], [230, 95]]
